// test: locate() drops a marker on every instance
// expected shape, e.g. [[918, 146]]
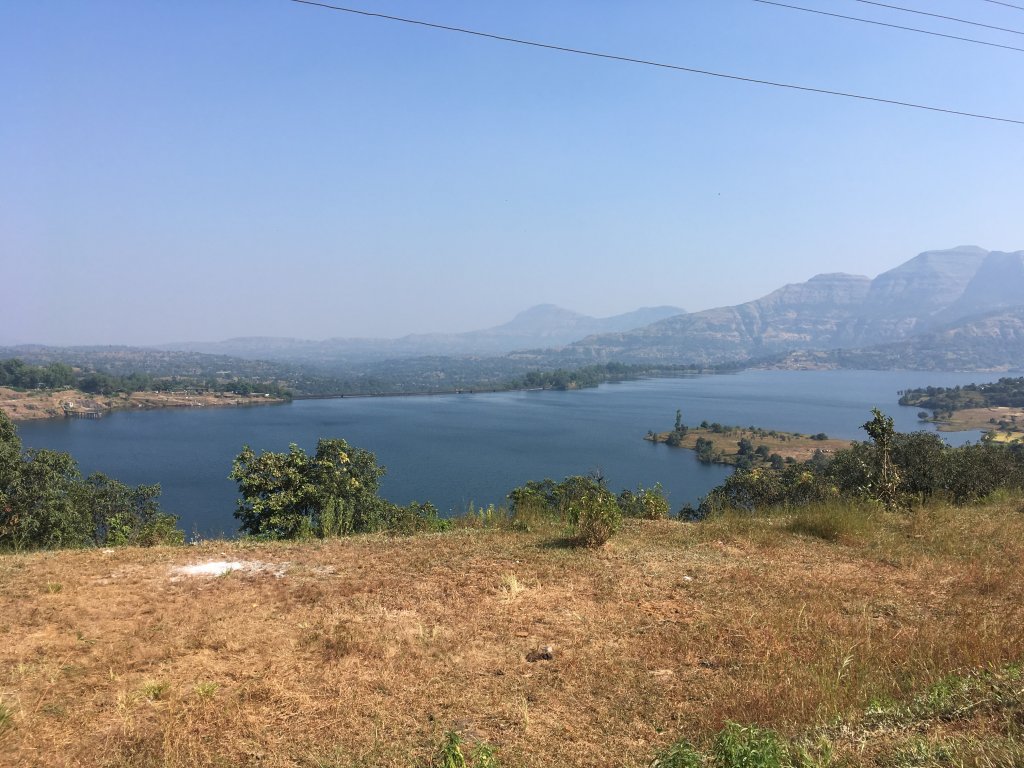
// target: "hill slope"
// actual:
[[367, 651]]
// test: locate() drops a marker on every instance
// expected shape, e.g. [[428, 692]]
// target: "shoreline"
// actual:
[[42, 405]]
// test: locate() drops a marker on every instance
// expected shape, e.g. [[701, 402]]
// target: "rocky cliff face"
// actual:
[[836, 311], [997, 284]]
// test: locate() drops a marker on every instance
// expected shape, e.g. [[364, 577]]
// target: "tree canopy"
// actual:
[[45, 503]]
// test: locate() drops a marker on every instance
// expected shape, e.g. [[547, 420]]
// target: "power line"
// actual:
[[893, 26], [1008, 5], [660, 65], [940, 16]]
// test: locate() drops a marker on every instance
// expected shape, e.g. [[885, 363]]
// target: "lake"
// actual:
[[454, 450]]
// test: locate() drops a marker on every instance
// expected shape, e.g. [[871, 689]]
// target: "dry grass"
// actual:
[[367, 651], [1004, 425]]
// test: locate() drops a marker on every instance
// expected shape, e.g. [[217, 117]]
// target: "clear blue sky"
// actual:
[[201, 169]]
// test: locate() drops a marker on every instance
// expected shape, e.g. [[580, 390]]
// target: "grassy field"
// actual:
[[859, 637]]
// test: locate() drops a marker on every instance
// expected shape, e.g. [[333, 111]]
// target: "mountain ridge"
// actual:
[[543, 325], [828, 311]]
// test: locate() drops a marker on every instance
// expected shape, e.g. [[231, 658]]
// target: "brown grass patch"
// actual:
[[368, 650]]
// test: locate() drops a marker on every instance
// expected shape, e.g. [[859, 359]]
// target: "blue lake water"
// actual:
[[456, 449]]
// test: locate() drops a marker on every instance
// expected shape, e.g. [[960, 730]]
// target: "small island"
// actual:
[[996, 408], [746, 447]]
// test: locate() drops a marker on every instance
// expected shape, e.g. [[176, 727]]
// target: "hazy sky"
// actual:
[[201, 169]]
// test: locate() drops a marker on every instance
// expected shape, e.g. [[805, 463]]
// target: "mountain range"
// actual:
[[544, 325], [955, 309], [931, 311]]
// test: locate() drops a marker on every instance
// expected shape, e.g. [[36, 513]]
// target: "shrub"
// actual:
[[537, 496], [681, 754], [450, 754], [746, 491], [593, 513], [413, 518], [644, 503], [738, 746]]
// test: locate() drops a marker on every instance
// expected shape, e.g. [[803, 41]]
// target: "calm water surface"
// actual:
[[456, 449]]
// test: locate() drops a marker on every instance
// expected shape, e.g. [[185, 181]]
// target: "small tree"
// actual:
[[885, 481]]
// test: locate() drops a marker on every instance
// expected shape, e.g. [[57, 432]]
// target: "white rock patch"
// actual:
[[222, 567]]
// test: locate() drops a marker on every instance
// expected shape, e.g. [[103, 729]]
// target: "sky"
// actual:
[[206, 169]]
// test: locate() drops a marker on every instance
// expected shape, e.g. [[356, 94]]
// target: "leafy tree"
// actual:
[[45, 503], [41, 510], [293, 495], [921, 458], [120, 514]]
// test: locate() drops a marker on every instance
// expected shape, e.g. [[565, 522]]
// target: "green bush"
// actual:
[[681, 754], [451, 755], [738, 746], [592, 511], [644, 503], [413, 518], [893, 469]]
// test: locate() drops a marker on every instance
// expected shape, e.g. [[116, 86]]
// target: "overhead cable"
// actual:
[[660, 65], [893, 26], [1008, 5], [940, 16]]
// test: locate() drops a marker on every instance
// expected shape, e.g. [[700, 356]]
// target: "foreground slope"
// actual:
[[367, 651]]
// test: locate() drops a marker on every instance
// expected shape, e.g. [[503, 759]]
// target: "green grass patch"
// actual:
[[834, 521]]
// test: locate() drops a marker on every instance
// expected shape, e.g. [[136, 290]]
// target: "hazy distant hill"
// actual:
[[994, 341], [544, 325], [922, 302]]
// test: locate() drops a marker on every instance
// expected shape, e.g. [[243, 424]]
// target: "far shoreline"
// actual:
[[22, 406]]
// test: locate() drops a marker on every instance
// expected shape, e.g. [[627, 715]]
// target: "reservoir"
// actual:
[[454, 450]]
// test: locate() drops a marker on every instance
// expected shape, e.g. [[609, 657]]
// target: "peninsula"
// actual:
[[746, 447]]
